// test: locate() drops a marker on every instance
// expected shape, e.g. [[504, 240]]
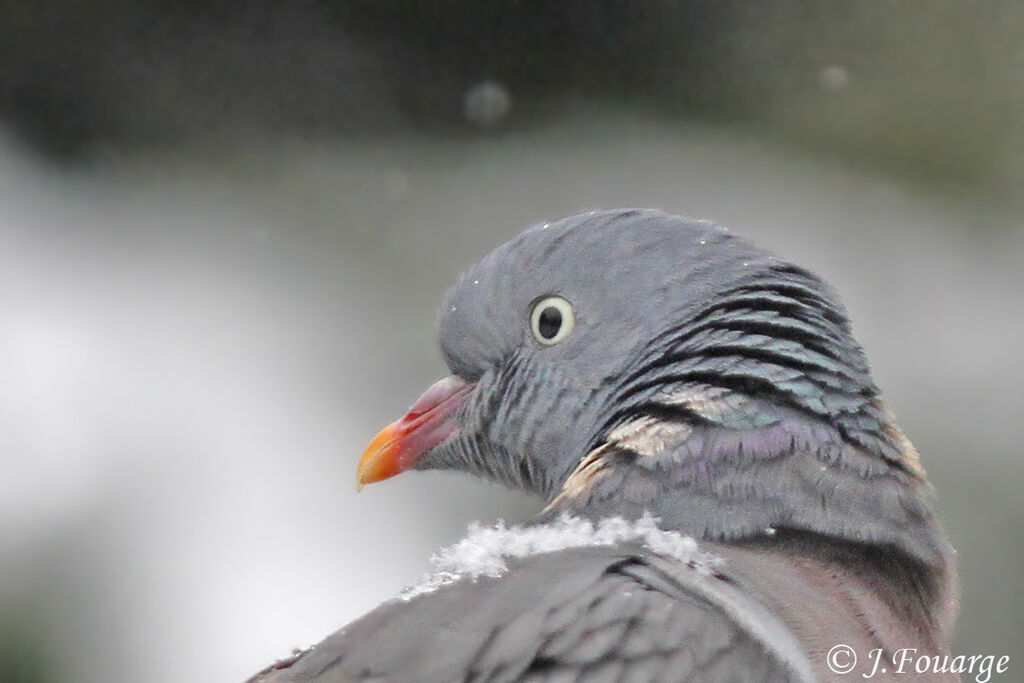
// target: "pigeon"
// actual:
[[727, 497]]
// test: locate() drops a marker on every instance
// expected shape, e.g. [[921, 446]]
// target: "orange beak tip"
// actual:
[[380, 460]]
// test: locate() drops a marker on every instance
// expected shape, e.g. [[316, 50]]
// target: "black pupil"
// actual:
[[550, 322]]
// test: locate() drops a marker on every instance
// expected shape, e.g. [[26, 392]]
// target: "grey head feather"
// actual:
[[706, 379]]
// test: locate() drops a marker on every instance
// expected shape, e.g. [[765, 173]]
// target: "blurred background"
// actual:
[[224, 229]]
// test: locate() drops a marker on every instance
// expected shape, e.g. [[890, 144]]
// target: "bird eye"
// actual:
[[552, 320]]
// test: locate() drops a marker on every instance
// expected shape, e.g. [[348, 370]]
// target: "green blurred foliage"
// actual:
[[931, 90], [22, 651]]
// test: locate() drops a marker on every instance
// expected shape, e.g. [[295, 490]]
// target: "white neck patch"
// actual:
[[484, 549]]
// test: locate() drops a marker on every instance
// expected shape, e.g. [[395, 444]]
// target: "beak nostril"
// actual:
[[438, 392]]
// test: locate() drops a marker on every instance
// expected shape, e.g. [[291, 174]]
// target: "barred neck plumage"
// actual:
[[758, 413], [781, 338]]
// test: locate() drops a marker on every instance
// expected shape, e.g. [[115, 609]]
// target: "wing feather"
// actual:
[[585, 614]]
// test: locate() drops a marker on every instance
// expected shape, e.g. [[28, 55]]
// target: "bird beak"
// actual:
[[402, 443]]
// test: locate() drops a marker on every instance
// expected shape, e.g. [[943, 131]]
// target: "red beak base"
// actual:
[[402, 443]]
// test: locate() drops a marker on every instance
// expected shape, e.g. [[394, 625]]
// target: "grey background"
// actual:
[[214, 294]]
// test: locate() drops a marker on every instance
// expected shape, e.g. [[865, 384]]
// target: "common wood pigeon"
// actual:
[[728, 498]]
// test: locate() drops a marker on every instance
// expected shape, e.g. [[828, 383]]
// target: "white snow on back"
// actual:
[[485, 549]]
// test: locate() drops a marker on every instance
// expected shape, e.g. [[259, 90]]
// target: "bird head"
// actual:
[[635, 360]]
